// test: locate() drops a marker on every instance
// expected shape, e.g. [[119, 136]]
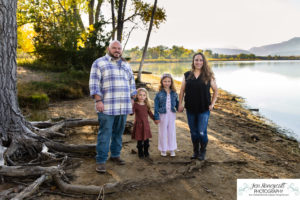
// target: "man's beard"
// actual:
[[114, 57]]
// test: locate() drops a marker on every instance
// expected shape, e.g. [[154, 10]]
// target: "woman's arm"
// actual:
[[181, 95], [214, 87]]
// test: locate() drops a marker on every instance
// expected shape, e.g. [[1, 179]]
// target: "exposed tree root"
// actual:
[[44, 150], [50, 129], [71, 148], [32, 188], [7, 194], [82, 189], [128, 185], [21, 171]]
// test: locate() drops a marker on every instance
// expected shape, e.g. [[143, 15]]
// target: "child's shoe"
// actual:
[[146, 151], [172, 153], [140, 150], [163, 153], [146, 148]]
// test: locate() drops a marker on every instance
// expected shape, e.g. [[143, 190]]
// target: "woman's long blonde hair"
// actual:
[[147, 100], [206, 73], [167, 75]]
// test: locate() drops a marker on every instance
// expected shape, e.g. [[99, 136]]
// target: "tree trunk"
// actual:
[[97, 14], [120, 22], [123, 11], [112, 2], [13, 127], [77, 16], [147, 41], [91, 11]]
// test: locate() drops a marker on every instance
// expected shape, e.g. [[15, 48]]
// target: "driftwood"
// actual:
[[82, 189], [32, 188], [71, 148], [50, 129], [143, 72], [21, 171], [6, 194]]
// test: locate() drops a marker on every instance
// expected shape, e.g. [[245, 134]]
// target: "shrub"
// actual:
[[34, 101]]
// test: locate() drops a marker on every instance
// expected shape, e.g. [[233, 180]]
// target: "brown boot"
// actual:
[[117, 160], [196, 148], [101, 168]]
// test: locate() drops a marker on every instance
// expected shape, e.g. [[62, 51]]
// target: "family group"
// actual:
[[112, 86]]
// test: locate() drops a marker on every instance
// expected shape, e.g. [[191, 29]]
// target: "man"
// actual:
[[112, 86]]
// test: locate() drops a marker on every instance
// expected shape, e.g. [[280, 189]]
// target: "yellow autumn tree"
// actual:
[[26, 34]]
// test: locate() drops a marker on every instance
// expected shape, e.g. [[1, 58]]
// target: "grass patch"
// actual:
[[35, 100], [61, 86]]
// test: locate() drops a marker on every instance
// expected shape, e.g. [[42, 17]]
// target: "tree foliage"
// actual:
[[61, 37], [139, 13]]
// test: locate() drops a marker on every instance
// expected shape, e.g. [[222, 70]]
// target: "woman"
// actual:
[[195, 89]]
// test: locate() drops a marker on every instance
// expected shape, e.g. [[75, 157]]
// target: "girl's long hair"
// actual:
[[206, 74], [167, 75], [147, 100]]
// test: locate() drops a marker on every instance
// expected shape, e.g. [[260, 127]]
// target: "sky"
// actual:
[[200, 24]]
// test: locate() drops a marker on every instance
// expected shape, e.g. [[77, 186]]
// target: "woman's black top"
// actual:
[[197, 94]]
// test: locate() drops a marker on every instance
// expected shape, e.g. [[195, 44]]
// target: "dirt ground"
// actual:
[[240, 145]]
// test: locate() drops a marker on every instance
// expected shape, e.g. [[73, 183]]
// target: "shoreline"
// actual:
[[240, 145], [285, 132], [245, 106], [210, 60]]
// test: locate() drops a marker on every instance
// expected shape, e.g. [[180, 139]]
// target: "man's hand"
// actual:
[[156, 121], [99, 106]]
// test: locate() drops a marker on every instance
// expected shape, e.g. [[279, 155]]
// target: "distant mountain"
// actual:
[[287, 48], [227, 51]]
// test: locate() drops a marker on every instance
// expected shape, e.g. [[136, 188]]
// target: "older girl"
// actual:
[[166, 104]]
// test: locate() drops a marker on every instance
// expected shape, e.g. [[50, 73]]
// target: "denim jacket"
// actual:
[[160, 103]]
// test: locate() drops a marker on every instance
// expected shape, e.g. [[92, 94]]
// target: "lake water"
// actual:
[[271, 86]]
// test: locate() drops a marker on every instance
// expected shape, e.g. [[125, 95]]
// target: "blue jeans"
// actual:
[[198, 126], [109, 136]]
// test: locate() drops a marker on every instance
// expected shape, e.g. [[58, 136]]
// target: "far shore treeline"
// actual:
[[162, 54]]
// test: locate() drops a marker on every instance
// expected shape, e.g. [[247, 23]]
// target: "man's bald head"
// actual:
[[115, 49]]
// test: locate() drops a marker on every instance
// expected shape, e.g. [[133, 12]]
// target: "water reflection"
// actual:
[[271, 86], [159, 68]]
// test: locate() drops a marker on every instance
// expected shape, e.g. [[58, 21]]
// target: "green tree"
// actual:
[[177, 51], [139, 12], [147, 41], [208, 53], [61, 38]]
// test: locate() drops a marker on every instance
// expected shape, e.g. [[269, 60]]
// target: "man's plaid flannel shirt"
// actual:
[[114, 83]]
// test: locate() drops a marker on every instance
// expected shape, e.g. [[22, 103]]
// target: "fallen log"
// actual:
[[71, 148], [21, 171], [32, 188], [6, 193], [143, 72], [83, 189]]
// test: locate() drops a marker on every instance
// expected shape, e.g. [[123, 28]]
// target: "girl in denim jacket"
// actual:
[[166, 104]]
